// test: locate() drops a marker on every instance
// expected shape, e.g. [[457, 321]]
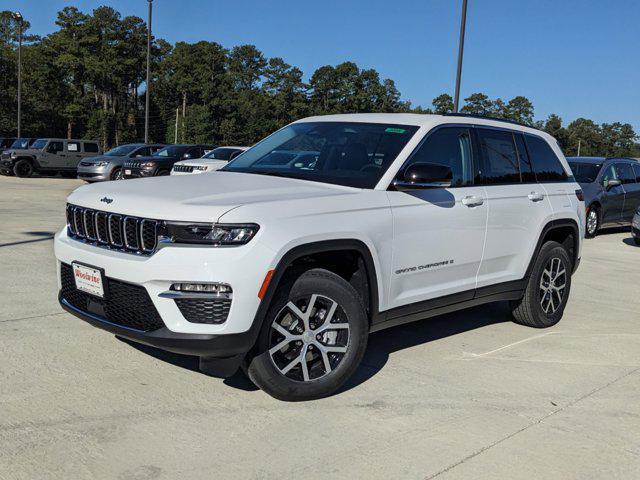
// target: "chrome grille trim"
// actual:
[[86, 224]]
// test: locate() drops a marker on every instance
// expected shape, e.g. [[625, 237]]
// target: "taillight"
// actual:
[[580, 195]]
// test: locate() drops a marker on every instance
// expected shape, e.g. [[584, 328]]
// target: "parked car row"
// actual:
[[611, 188], [23, 157]]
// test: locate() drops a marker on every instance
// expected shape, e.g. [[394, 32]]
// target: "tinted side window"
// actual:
[[142, 152], [73, 147], [54, 147], [546, 164], [625, 173], [450, 147], [91, 147], [500, 159], [155, 149], [526, 168]]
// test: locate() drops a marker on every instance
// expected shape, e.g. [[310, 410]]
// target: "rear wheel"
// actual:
[[593, 222], [313, 338], [23, 168], [547, 290]]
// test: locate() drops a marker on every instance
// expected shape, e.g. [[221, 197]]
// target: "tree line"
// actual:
[[86, 80]]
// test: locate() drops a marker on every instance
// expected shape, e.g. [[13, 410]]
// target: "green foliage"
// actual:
[[87, 79]]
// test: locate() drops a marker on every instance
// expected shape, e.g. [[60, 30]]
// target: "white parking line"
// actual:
[[510, 345]]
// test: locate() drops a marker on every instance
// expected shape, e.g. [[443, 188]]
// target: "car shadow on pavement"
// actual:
[[44, 237], [381, 344]]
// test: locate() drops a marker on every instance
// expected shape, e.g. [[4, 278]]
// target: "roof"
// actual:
[[420, 120], [596, 159]]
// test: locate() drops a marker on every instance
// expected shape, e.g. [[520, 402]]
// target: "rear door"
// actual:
[[518, 207], [631, 190], [73, 154], [613, 197]]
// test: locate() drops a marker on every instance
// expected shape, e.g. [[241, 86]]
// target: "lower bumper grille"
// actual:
[[125, 304], [210, 311]]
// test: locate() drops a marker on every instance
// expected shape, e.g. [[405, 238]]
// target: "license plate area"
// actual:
[[89, 279], [127, 172]]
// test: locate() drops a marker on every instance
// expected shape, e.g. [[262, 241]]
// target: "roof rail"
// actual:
[[486, 117]]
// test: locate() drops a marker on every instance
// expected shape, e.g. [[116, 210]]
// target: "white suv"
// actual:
[[284, 263]]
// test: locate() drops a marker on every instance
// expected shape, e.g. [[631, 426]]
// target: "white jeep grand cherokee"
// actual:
[[284, 263]]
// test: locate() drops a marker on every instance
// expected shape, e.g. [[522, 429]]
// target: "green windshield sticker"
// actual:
[[395, 130]]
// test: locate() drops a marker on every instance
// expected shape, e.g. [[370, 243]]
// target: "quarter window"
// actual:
[[73, 147], [450, 147], [500, 159], [546, 164], [91, 147]]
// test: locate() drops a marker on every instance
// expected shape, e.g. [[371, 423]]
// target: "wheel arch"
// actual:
[[564, 231], [293, 263]]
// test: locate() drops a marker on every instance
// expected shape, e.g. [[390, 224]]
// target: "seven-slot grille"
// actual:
[[183, 168], [111, 230], [133, 164]]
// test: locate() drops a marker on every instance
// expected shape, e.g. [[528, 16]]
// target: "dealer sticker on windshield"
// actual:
[[88, 279]]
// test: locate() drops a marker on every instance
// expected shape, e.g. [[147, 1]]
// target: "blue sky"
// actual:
[[570, 57]]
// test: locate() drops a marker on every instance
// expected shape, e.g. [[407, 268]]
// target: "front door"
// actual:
[[631, 201], [54, 156], [438, 233], [613, 197]]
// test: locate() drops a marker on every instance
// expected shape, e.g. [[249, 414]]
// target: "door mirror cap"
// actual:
[[425, 175], [613, 183]]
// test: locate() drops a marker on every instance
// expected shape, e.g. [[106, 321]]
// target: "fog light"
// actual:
[[219, 288]]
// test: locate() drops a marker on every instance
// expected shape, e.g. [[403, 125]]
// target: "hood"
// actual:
[[209, 162], [197, 198], [101, 158], [23, 151]]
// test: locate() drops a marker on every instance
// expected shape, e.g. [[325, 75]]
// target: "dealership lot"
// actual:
[[467, 395]]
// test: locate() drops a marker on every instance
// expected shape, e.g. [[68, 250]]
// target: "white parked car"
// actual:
[[214, 160], [285, 266]]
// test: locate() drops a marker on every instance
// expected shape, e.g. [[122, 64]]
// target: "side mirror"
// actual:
[[613, 183], [425, 175]]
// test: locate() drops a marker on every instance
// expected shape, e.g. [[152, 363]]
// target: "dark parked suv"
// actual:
[[611, 189], [161, 162], [48, 156]]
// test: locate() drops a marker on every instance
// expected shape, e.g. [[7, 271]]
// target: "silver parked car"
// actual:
[[109, 166]]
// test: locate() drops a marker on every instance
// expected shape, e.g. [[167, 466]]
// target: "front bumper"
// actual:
[[202, 345], [244, 268], [6, 165], [95, 174]]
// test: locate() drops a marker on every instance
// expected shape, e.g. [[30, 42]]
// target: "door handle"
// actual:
[[535, 197], [472, 201]]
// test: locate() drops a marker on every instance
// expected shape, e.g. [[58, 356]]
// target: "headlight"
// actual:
[[218, 234], [100, 164], [148, 164]]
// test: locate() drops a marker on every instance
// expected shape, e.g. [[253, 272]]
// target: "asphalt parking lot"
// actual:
[[467, 395]]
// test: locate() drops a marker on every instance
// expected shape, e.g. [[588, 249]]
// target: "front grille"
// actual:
[[125, 304], [183, 168], [133, 164], [205, 310], [104, 229]]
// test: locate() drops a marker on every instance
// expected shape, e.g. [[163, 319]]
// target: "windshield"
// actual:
[[121, 151], [170, 151], [351, 154], [39, 144], [221, 153], [21, 143], [585, 172]]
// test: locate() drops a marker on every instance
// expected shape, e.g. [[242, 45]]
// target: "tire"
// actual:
[[547, 290], [23, 168], [592, 223], [116, 174], [331, 356], [162, 173]]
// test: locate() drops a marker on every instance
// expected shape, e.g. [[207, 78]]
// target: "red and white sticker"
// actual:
[[88, 279]]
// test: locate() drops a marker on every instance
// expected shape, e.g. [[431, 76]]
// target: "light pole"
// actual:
[[19, 19], [146, 101], [463, 22]]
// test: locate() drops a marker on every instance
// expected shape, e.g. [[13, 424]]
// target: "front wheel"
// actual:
[[313, 338], [117, 174], [547, 290], [23, 169], [593, 222]]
